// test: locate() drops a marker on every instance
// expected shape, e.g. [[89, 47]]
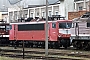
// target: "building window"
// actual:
[[56, 13], [88, 6], [50, 13], [80, 7], [77, 0], [15, 16], [31, 14], [37, 13], [25, 13], [10, 15], [43, 14], [74, 5], [25, 16]]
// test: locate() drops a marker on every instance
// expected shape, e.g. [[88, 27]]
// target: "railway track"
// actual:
[[36, 53]]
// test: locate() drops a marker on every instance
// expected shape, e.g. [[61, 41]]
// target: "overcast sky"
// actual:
[[4, 4], [25, 2]]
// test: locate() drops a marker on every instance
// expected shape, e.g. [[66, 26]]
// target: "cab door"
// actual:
[[76, 29], [11, 32], [53, 31]]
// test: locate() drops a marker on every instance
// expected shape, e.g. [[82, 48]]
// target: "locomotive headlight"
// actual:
[[59, 36]]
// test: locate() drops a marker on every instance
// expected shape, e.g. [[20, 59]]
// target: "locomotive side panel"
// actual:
[[30, 32], [31, 35], [80, 30], [83, 28], [34, 32]]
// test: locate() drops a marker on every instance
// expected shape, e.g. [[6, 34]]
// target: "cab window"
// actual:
[[65, 25], [8, 27], [88, 24]]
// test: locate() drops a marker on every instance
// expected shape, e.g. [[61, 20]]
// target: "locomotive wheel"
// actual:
[[74, 44], [67, 44], [57, 45], [87, 46], [42, 45], [77, 45], [84, 45], [31, 45], [64, 43]]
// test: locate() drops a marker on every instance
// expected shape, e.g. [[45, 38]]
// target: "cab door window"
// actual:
[[53, 25], [76, 24]]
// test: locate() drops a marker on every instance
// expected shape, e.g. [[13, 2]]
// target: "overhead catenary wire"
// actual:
[[12, 2]]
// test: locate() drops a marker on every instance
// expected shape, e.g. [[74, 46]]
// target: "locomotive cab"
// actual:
[[4, 33], [64, 32]]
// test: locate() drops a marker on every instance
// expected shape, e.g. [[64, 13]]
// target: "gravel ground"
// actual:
[[8, 58], [39, 54]]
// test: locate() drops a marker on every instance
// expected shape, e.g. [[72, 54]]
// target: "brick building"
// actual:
[[80, 7]]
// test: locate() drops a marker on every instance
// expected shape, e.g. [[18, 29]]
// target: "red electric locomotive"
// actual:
[[33, 33], [4, 33]]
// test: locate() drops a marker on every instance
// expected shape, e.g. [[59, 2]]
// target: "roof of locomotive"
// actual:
[[64, 20], [33, 22], [37, 22], [4, 23], [84, 18]]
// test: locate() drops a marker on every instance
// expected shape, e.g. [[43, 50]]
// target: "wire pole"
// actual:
[[89, 5], [46, 41]]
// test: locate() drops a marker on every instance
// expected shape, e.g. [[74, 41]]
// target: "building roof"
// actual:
[[32, 6]]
